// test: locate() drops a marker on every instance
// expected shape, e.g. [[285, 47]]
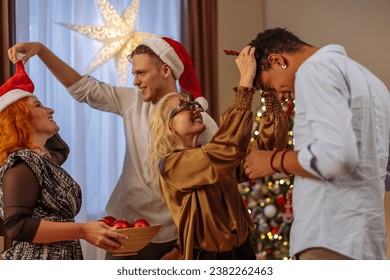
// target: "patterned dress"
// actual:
[[59, 200]]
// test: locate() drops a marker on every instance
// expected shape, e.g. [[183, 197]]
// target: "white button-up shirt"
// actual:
[[341, 131]]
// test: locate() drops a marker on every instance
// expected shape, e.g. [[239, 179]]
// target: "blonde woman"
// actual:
[[199, 183]]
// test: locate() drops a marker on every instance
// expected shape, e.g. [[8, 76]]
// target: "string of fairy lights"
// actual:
[[266, 200]]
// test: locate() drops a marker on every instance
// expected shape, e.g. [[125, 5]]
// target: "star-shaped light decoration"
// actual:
[[117, 35]]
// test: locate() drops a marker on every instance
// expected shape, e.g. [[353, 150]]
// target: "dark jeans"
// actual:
[[152, 251], [243, 252]]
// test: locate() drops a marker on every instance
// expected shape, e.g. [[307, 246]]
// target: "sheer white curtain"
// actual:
[[96, 138]]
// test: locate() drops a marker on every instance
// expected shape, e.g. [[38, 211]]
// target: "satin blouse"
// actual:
[[200, 184]]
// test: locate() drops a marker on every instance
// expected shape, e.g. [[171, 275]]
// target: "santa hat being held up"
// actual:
[[16, 87], [176, 56]]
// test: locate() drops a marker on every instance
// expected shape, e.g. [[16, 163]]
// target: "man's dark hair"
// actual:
[[277, 40]]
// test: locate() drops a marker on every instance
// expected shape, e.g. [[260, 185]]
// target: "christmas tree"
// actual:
[[266, 202]]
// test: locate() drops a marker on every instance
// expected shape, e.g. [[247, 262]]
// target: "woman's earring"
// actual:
[[284, 66]]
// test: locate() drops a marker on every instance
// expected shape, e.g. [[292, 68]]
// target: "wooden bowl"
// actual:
[[137, 239]]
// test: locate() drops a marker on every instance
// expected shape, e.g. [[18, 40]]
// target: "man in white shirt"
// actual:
[[341, 154], [158, 63]]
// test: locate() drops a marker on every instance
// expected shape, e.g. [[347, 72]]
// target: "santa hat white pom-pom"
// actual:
[[19, 56], [202, 101]]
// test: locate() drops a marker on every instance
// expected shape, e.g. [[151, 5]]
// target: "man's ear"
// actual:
[[166, 70], [277, 59]]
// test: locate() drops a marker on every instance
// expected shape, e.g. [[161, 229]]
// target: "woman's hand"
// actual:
[[102, 236], [246, 64], [28, 49]]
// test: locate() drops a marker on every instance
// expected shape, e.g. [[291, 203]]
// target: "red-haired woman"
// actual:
[[38, 199]]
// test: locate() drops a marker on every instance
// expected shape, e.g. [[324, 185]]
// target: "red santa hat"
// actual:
[[16, 87], [176, 56]]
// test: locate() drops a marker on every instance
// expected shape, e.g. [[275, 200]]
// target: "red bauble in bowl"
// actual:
[[108, 220], [121, 224], [140, 223]]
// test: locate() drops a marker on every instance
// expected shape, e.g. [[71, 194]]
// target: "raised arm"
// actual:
[[273, 130], [65, 74], [57, 148]]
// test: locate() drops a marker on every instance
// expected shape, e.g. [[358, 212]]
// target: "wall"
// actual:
[[237, 26], [361, 26]]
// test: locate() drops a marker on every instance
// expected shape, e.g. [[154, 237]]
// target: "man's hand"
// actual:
[[257, 164]]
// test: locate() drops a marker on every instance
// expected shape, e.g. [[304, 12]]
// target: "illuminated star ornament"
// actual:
[[117, 35]]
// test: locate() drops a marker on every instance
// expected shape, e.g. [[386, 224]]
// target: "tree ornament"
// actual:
[[270, 211], [280, 201]]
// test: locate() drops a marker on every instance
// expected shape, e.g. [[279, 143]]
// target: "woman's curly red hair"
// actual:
[[15, 131]]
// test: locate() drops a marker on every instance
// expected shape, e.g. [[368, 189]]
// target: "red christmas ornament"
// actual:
[[121, 224], [140, 223], [252, 182], [280, 201], [108, 220]]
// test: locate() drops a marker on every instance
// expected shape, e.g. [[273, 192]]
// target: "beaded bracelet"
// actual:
[[281, 162], [272, 159]]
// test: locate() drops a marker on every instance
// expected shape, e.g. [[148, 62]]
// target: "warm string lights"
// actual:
[[266, 201]]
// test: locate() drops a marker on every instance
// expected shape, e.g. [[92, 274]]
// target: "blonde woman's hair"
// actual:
[[161, 140]]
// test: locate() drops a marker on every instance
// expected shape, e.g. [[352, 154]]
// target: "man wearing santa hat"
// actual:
[[158, 62]]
